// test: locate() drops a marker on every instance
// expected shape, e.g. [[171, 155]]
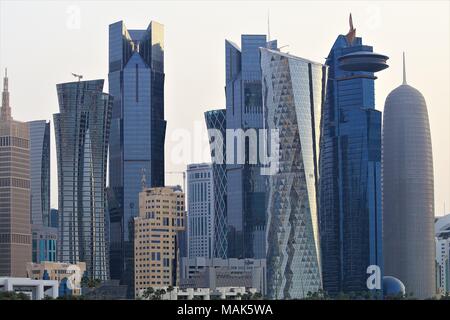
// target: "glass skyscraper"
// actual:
[[293, 91], [40, 171], [82, 133], [136, 81], [246, 186], [350, 217], [216, 124]]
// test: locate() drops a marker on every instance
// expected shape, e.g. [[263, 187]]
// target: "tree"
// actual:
[[11, 295]]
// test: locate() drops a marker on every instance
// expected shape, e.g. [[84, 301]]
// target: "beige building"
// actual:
[[161, 217], [15, 225], [58, 271]]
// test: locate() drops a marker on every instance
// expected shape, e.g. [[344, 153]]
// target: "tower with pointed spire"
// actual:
[[408, 191], [15, 224], [350, 166], [6, 108]]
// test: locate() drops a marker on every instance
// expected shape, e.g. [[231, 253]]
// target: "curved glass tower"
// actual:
[[293, 93], [408, 192], [350, 167], [216, 123], [82, 133]]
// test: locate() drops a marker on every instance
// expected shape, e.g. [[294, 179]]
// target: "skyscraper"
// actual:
[[15, 227], [216, 125], [244, 112], [293, 91], [161, 218], [82, 133], [201, 216], [40, 171], [408, 191], [136, 80], [350, 217]]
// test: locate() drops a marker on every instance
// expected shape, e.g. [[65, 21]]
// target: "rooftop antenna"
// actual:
[[404, 69], [79, 76]]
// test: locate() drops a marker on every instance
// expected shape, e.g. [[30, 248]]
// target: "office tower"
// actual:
[[442, 238], [54, 221], [293, 91], [40, 171], [15, 227], [408, 191], [246, 186], [82, 133], [161, 217], [136, 80], [350, 218], [216, 125], [44, 243], [200, 204]]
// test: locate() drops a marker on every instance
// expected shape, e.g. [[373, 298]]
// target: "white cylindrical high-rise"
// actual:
[[408, 191]]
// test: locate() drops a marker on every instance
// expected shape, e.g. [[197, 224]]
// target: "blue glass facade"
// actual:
[[81, 133], [350, 213], [216, 123], [136, 80], [40, 171], [43, 243], [246, 186]]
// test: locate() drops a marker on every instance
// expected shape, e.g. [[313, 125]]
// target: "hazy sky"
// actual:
[[42, 42]]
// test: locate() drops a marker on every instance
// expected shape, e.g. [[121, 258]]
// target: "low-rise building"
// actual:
[[35, 289], [67, 275], [216, 273], [219, 293]]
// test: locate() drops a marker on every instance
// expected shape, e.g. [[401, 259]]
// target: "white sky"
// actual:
[[42, 42]]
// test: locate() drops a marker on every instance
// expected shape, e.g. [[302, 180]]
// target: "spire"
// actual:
[[6, 109], [404, 69], [352, 32], [268, 26]]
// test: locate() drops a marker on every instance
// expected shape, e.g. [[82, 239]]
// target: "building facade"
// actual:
[[246, 196], [68, 276], [40, 171], [201, 215], [216, 125], [216, 273], [44, 243], [350, 217], [294, 91], [408, 191], [15, 226], [161, 217], [136, 80], [82, 133], [54, 221]]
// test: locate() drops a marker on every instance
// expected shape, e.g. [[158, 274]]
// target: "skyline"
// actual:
[[183, 105]]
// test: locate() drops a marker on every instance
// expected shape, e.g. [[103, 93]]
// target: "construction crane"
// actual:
[[184, 177], [79, 76]]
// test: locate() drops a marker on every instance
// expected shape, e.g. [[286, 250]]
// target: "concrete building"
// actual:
[[67, 275], [161, 217], [200, 212], [15, 226], [35, 289], [442, 240], [220, 293], [215, 273], [408, 191]]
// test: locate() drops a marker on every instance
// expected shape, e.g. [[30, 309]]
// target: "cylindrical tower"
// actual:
[[408, 191]]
